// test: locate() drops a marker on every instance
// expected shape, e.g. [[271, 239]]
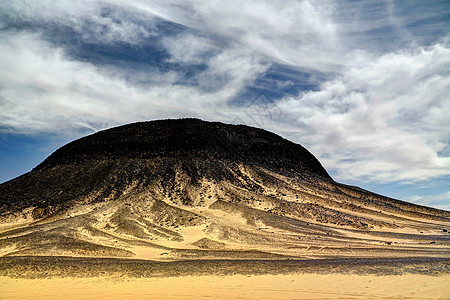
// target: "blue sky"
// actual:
[[364, 85]]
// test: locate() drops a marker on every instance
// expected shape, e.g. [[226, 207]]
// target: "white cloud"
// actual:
[[188, 48], [294, 32], [88, 18], [384, 120], [44, 90], [441, 201]]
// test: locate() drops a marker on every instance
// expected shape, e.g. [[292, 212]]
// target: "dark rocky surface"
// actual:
[[189, 138]]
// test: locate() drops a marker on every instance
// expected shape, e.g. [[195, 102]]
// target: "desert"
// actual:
[[164, 203]]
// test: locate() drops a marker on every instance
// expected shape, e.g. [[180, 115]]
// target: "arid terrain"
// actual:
[[194, 198], [298, 286]]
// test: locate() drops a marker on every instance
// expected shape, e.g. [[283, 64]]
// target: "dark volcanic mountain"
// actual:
[[189, 189]]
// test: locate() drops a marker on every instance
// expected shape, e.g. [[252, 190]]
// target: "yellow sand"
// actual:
[[304, 286]]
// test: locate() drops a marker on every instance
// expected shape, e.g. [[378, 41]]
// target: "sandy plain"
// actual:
[[297, 286]]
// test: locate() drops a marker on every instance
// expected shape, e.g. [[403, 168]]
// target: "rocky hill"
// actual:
[[176, 190]]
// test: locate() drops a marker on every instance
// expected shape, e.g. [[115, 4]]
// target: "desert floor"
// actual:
[[298, 286]]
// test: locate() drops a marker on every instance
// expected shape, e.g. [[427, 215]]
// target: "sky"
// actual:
[[363, 85]]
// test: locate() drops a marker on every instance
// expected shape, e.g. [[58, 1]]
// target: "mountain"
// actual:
[[175, 190]]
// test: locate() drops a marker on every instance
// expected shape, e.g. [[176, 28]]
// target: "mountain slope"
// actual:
[[189, 189]]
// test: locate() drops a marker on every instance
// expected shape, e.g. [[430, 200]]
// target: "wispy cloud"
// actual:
[[384, 120], [441, 201], [44, 90]]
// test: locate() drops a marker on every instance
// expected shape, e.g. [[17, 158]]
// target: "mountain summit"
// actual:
[[189, 139], [190, 189]]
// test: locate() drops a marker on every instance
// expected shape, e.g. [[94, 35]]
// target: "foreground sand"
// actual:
[[300, 286]]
